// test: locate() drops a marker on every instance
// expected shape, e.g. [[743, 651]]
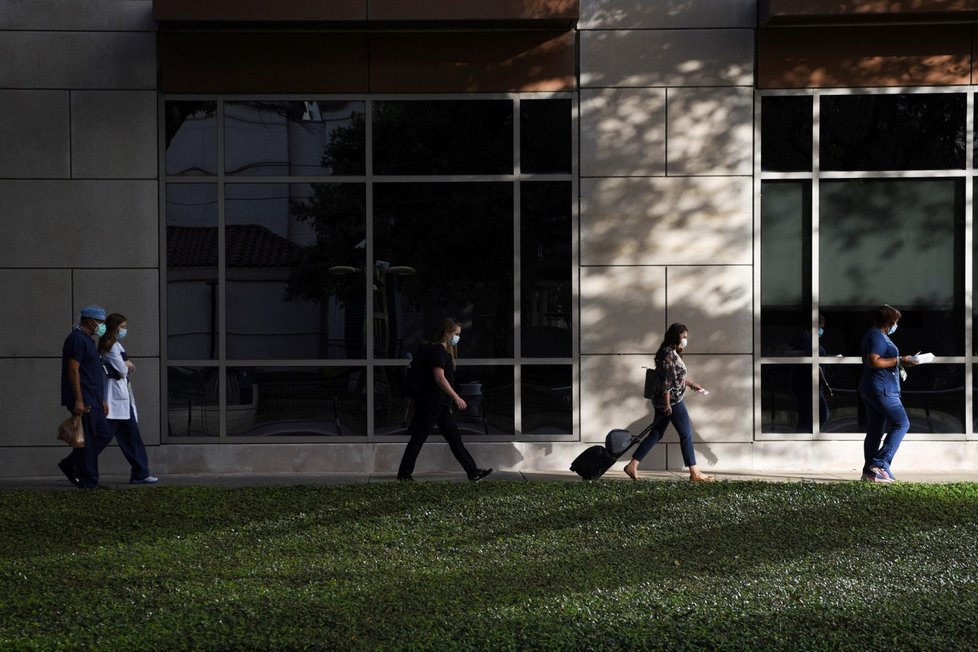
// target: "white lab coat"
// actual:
[[118, 393]]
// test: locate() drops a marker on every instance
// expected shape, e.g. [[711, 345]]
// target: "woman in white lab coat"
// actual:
[[122, 416]]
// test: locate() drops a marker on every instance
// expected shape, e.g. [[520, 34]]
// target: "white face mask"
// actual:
[[453, 340], [683, 342]]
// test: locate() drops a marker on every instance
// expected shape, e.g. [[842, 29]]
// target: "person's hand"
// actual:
[[78, 408], [130, 366], [105, 407], [460, 404], [667, 410]]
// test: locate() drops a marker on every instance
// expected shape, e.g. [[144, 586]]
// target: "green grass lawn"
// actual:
[[497, 565]]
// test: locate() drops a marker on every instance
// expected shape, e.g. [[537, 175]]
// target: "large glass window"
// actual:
[[312, 244], [877, 215]]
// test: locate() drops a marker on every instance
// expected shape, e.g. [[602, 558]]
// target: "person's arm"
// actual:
[[879, 362], [446, 387], [114, 358], [74, 379]]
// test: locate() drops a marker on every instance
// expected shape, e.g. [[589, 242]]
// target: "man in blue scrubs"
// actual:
[[82, 393]]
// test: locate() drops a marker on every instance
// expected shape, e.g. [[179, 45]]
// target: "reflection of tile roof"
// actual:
[[248, 245]]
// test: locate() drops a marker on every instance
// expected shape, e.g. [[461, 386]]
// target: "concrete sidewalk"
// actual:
[[292, 479]]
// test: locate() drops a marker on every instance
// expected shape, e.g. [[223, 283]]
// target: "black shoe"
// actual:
[[405, 478], [479, 474], [69, 472]]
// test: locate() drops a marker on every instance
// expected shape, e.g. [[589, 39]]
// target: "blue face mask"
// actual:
[[820, 331], [100, 330], [122, 334], [453, 341], [892, 329]]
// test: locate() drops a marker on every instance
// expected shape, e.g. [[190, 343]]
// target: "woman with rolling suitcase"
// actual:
[[671, 385]]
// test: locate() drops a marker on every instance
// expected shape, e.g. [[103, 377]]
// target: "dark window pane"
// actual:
[[268, 401], [392, 408], [786, 271], [786, 133], [892, 132], [192, 401], [786, 395], [443, 137], [444, 250], [875, 238], [488, 393], [295, 280], [191, 271], [545, 240], [545, 136], [294, 138], [933, 396], [191, 138], [547, 397]]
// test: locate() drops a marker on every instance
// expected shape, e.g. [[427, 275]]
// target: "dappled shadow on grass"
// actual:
[[495, 565]]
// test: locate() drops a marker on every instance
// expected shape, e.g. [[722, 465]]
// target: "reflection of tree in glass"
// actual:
[[336, 212], [346, 151], [457, 236], [179, 112]]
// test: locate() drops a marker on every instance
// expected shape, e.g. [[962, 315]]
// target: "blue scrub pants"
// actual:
[[884, 416], [126, 433], [84, 461], [680, 420]]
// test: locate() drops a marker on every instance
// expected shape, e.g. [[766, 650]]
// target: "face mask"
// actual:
[[892, 329], [820, 331], [683, 342], [100, 330], [122, 334], [454, 340]]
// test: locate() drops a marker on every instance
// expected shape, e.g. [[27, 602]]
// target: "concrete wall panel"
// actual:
[[78, 60], [622, 309], [40, 299], [34, 134], [623, 132], [715, 303], [32, 415], [667, 58], [611, 394], [87, 15], [134, 293], [659, 14], [666, 221], [710, 131], [113, 134], [79, 224]]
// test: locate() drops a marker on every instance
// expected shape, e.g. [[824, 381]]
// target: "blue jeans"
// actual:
[[680, 420], [884, 416]]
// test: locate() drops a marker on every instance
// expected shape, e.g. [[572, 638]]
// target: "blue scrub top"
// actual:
[[879, 382], [79, 346]]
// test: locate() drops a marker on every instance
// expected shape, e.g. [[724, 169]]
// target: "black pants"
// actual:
[[426, 416]]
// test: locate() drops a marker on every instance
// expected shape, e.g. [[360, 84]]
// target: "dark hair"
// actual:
[[447, 324], [670, 341], [111, 329], [886, 314]]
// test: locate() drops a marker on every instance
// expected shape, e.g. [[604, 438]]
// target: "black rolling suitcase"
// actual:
[[593, 462]]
